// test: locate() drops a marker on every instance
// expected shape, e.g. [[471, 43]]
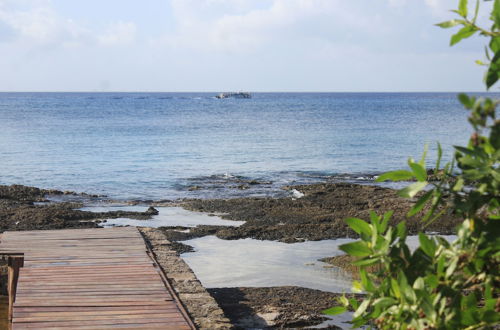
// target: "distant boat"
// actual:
[[238, 95]]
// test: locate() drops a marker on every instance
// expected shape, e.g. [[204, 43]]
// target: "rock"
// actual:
[[152, 211], [286, 307], [318, 215]]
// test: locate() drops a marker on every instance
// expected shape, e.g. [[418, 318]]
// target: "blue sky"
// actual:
[[221, 45]]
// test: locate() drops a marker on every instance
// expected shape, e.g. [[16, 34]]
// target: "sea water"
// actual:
[[175, 145]]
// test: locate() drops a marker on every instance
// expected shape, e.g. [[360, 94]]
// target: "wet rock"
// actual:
[[345, 262], [152, 211], [318, 215], [274, 307], [19, 212], [181, 247], [22, 193]]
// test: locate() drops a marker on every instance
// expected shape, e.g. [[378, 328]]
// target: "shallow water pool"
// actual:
[[255, 263], [168, 216]]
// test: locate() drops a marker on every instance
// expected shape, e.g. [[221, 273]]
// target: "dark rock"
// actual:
[[152, 211], [18, 212], [318, 215], [286, 307]]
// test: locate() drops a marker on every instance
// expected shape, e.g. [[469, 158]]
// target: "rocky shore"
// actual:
[[27, 208], [318, 214]]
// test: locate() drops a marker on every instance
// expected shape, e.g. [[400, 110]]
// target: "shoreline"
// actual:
[[316, 215]]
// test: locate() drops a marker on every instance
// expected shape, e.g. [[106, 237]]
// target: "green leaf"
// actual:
[[343, 300], [432, 281], [407, 290], [469, 301], [401, 230], [419, 284], [463, 33], [491, 317], [476, 11], [450, 23], [494, 45], [427, 245], [413, 189], [384, 302], [495, 136], [496, 13], [466, 151], [359, 226], [419, 171], [451, 267], [357, 287], [375, 219], [361, 309], [439, 157], [395, 288], [459, 184], [367, 283], [462, 8], [357, 249], [354, 303], [365, 262], [400, 175], [335, 310], [385, 221], [468, 318], [492, 75], [424, 154], [465, 100], [419, 205]]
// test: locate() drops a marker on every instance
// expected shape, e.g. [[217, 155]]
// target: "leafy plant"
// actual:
[[440, 285]]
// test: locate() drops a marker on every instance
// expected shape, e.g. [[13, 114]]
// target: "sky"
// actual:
[[230, 45]]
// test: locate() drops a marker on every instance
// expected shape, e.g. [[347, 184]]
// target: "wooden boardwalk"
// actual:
[[90, 279]]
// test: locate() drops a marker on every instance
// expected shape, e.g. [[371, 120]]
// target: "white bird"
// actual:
[[297, 194]]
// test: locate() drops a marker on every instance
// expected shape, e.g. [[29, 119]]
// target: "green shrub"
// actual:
[[440, 285]]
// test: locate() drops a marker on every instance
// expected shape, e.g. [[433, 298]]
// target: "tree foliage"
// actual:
[[440, 285]]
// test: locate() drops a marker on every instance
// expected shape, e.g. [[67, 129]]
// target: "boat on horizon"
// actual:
[[236, 95]]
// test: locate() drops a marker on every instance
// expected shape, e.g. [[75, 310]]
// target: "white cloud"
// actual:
[[201, 26], [38, 24], [119, 33]]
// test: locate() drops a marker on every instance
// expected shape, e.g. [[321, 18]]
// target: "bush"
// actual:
[[440, 285]]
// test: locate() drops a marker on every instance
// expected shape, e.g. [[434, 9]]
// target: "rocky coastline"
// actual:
[[317, 215]]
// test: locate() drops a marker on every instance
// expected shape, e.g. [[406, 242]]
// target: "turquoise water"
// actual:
[[159, 145]]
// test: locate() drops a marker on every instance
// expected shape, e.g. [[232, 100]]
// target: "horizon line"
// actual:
[[263, 92]]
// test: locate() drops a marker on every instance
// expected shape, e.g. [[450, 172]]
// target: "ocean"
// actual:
[[182, 145]]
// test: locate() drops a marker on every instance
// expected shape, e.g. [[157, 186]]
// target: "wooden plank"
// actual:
[[167, 305], [75, 324], [137, 326], [90, 279], [172, 316], [97, 312]]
